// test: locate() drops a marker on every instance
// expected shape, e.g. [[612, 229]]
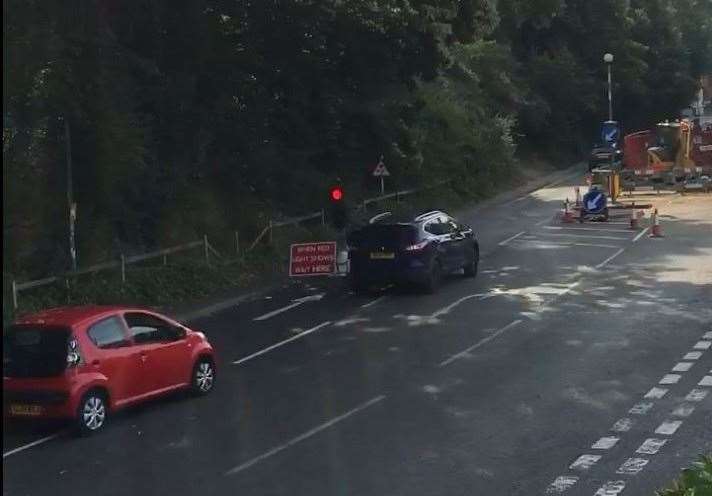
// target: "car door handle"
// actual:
[[95, 363], [143, 357]]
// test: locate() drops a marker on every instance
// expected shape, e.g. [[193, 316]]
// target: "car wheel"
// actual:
[[471, 267], [432, 282], [203, 376], [92, 412]]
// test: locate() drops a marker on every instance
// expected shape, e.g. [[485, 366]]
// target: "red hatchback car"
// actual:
[[83, 363]]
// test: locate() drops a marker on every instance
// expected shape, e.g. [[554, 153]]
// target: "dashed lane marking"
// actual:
[[702, 345], [670, 379], [706, 381], [696, 395], [683, 411], [632, 466], [682, 367], [668, 427], [640, 234], [480, 343], [281, 343], [641, 408], [584, 462], [655, 393], [605, 443], [30, 445], [708, 335], [304, 436], [651, 446], [623, 425], [610, 258], [561, 484], [512, 238], [693, 355], [611, 488], [374, 302]]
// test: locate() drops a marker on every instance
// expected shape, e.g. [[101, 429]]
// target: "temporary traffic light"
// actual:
[[338, 211], [336, 194]]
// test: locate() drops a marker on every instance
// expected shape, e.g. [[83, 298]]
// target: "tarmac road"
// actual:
[[578, 362]]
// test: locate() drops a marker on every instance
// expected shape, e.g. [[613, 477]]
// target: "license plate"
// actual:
[[28, 410], [382, 255]]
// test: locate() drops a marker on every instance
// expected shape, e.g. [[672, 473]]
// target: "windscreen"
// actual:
[[34, 351], [387, 235]]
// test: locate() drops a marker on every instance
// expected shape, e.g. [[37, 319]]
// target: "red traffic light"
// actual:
[[336, 193]]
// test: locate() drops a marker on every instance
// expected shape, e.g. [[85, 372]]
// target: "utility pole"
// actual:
[[608, 59], [70, 194]]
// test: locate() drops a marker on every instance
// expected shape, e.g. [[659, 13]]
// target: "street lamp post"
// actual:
[[608, 59]]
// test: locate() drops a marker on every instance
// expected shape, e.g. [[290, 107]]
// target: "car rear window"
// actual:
[[34, 351], [390, 235]]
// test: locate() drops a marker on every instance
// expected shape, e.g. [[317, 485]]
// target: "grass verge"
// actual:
[[694, 481]]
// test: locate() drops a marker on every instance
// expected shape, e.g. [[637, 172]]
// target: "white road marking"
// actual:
[[683, 411], [610, 258], [611, 488], [561, 484], [506, 241], [615, 238], [668, 427], [670, 379], [696, 395], [446, 310], [706, 381], [374, 302], [480, 343], [623, 425], [543, 221], [282, 343], [30, 445], [708, 335], [560, 228], [605, 443], [655, 393], [640, 234], [641, 408], [693, 355], [584, 462], [632, 466], [702, 345], [651, 446], [304, 436], [682, 367], [295, 303]]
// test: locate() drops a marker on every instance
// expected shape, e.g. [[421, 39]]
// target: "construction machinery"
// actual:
[[675, 154]]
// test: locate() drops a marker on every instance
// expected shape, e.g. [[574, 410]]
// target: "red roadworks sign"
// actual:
[[312, 259]]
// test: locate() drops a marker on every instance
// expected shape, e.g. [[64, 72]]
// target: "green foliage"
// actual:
[[695, 481], [215, 115]]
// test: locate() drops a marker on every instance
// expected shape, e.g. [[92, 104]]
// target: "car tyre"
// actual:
[[203, 377], [470, 269], [92, 412], [434, 277]]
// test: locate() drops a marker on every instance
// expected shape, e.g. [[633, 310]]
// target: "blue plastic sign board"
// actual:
[[610, 133], [594, 201]]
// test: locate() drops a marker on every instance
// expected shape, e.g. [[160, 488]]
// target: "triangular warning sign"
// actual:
[[380, 170]]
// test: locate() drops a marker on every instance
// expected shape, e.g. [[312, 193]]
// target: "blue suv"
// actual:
[[417, 251]]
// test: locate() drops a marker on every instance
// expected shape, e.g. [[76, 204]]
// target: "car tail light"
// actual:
[[74, 353], [417, 246]]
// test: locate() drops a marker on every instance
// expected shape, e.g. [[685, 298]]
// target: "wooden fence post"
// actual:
[[123, 268], [205, 248], [165, 260], [270, 231], [237, 243], [14, 294]]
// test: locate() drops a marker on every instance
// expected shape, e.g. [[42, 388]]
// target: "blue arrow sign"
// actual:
[[594, 201], [609, 133]]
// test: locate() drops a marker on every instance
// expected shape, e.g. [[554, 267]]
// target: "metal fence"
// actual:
[[208, 249]]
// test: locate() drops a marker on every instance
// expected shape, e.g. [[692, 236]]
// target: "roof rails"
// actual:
[[378, 217], [429, 214]]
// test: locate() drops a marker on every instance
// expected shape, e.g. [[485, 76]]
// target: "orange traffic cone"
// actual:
[[578, 196], [656, 231], [568, 215]]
